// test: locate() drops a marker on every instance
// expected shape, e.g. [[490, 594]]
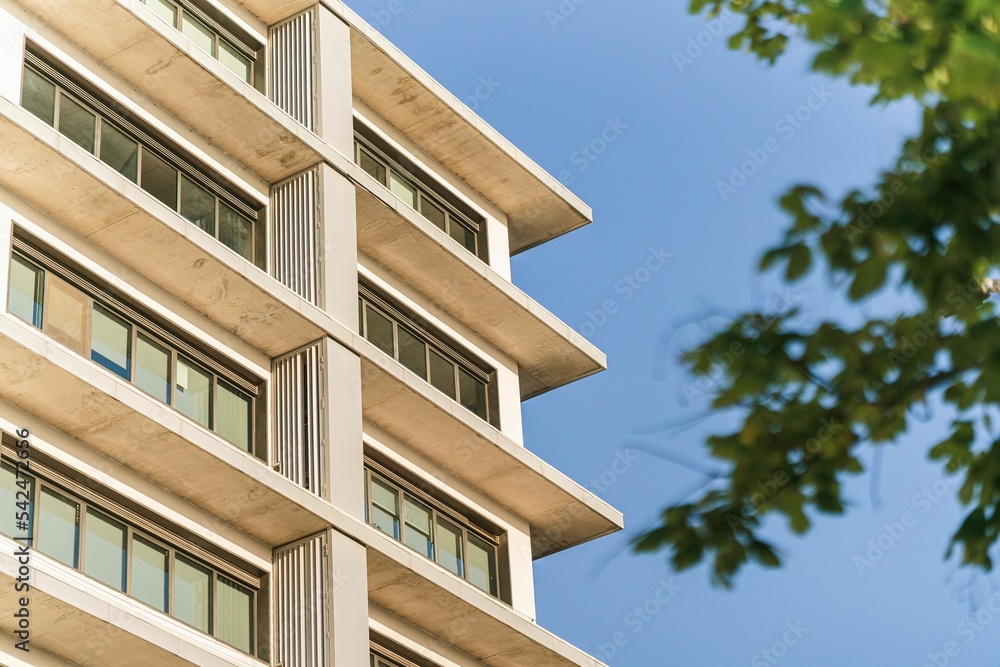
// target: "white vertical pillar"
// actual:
[[333, 57], [342, 374], [338, 221], [348, 602]]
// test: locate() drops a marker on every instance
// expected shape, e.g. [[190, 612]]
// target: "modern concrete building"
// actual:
[[261, 359]]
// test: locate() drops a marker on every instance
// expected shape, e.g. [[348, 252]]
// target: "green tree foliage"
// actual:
[[815, 394]]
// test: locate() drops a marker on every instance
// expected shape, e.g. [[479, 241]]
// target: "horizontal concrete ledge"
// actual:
[[90, 625], [424, 594], [77, 397], [51, 173], [561, 512], [133, 43], [549, 354]]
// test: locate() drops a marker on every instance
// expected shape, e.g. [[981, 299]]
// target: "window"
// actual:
[[87, 532], [208, 35], [411, 186], [130, 346], [431, 528], [442, 365], [132, 152]]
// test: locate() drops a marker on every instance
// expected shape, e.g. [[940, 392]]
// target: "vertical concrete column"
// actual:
[[522, 573], [348, 602], [343, 426], [339, 251], [335, 120], [11, 50]]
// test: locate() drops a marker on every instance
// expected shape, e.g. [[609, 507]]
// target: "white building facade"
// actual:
[[261, 358]]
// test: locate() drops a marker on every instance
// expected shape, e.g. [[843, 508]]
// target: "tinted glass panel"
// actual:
[[159, 179], [59, 528], [26, 284], [198, 205], [482, 565], [432, 212], [199, 33], [164, 9], [232, 417], [449, 546], [192, 597], [378, 331], [463, 235], [402, 189], [78, 124], [385, 508], [67, 311], [373, 166], [234, 621], [38, 95], [9, 500], [111, 339], [104, 555], [418, 527], [119, 152], [194, 391], [442, 374], [235, 231], [412, 352], [152, 368], [149, 573], [472, 392], [235, 62]]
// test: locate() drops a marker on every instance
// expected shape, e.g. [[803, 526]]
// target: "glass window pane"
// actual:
[[76, 123], [165, 9], [402, 189], [232, 418], [432, 212], [442, 374], [192, 593], [412, 352], [385, 508], [482, 565], [111, 342], [152, 368], [59, 527], [378, 331], [199, 33], [449, 546], [104, 550], [198, 205], [418, 527], [38, 95], [235, 62], [472, 392], [159, 179], [9, 500], [66, 315], [119, 152], [26, 285], [234, 619], [372, 165], [235, 231], [149, 573], [194, 392], [463, 235]]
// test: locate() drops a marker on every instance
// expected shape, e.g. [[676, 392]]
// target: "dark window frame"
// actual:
[[88, 498], [142, 325]]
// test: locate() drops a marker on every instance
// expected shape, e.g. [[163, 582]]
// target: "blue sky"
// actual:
[[870, 588]]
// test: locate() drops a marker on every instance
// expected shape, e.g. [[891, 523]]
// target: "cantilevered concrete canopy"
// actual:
[[561, 512], [421, 592], [51, 173], [548, 353], [87, 623], [130, 41], [115, 418], [538, 207]]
